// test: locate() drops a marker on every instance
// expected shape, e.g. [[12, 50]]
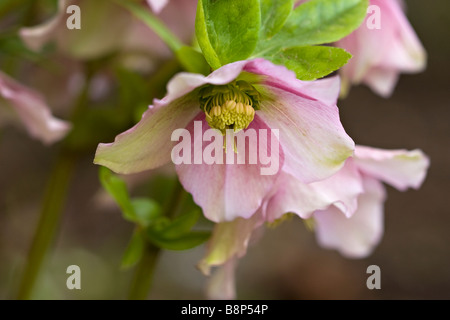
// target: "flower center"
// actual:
[[230, 106]]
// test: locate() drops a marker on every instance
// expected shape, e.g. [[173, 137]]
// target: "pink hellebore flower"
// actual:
[[384, 46], [347, 208], [21, 104], [253, 94]]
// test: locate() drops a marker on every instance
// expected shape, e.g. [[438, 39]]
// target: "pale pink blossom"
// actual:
[[19, 104], [383, 49], [346, 211], [313, 143]]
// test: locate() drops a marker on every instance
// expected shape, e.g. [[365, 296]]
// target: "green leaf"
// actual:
[[146, 211], [117, 188], [227, 30], [134, 251], [182, 224], [192, 60], [316, 22], [310, 63], [177, 234], [140, 211], [274, 14], [184, 242]]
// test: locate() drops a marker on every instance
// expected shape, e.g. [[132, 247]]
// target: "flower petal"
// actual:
[[400, 168], [148, 144], [382, 81], [36, 37], [227, 191], [229, 241], [324, 90], [312, 137], [157, 5], [354, 237], [222, 285], [406, 52], [304, 199], [32, 110], [371, 63]]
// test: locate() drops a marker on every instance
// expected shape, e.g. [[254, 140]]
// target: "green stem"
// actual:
[[143, 275], [54, 200], [52, 207], [153, 23]]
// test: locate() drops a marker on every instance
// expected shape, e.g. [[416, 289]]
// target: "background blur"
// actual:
[[414, 255]]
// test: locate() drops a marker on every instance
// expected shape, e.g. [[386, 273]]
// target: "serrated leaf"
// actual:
[[274, 14], [310, 63], [146, 211], [134, 251], [184, 242], [227, 30], [316, 22], [192, 60]]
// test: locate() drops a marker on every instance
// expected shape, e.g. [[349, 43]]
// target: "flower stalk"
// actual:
[[143, 275], [53, 204]]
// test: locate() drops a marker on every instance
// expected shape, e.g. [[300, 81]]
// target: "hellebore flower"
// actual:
[[347, 208], [107, 27], [21, 104], [384, 46], [240, 96]]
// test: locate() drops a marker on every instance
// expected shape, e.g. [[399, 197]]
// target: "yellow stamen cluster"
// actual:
[[229, 106], [280, 220]]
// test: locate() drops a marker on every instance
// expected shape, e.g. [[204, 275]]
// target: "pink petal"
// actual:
[[380, 55], [313, 139], [32, 110], [324, 90], [304, 199], [229, 241], [354, 237], [227, 191], [36, 37], [400, 168], [407, 52], [148, 144], [382, 81], [222, 285], [157, 5]]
